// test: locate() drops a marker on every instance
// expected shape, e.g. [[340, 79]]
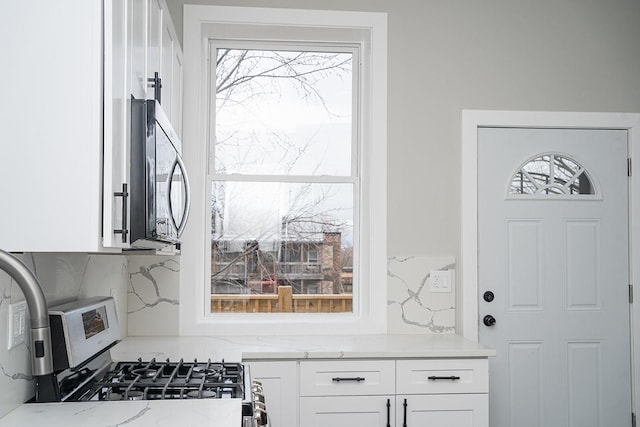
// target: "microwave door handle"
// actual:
[[187, 196], [172, 171]]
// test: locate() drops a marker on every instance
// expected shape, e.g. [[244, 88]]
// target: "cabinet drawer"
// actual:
[[451, 410], [344, 378], [347, 411], [442, 376]]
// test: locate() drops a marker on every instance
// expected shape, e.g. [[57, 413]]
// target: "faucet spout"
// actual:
[[42, 360]]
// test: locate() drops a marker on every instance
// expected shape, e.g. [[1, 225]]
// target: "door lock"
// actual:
[[488, 296], [489, 320]]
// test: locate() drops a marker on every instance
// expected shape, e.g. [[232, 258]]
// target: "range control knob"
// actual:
[[260, 416], [256, 386], [489, 320]]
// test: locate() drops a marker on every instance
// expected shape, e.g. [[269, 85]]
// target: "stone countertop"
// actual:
[[227, 412], [168, 413], [299, 347]]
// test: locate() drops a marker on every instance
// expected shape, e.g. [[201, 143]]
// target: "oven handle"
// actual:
[[187, 195]]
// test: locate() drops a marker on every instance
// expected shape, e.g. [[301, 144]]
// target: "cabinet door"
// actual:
[[445, 410], [137, 47], [176, 90], [166, 71], [279, 381], [51, 111], [347, 411], [116, 117], [171, 74], [154, 42]]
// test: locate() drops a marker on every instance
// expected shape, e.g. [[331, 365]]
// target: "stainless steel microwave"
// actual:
[[159, 185]]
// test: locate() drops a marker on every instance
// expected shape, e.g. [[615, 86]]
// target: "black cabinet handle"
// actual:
[[156, 83], [452, 378], [125, 197], [388, 412], [338, 379], [404, 418]]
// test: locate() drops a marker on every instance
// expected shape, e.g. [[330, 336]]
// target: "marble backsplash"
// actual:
[[153, 298], [146, 290], [153, 295], [412, 306]]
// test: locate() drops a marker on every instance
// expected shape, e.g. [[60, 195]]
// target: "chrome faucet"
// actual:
[[41, 356]]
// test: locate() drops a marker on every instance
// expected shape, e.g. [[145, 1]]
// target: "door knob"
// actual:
[[489, 320], [488, 296]]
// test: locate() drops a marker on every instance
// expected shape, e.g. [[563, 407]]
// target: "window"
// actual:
[[285, 175], [551, 174], [285, 132], [312, 258]]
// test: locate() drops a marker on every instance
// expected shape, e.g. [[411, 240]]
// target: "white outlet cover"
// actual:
[[17, 324], [440, 281]]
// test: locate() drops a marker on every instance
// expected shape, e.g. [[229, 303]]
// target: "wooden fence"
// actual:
[[285, 301]]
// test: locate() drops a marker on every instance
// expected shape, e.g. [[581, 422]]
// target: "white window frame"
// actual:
[[313, 260], [369, 316]]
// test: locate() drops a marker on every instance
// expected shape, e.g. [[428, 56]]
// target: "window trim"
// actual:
[[370, 316]]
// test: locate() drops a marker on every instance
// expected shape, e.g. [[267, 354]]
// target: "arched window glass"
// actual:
[[551, 174]]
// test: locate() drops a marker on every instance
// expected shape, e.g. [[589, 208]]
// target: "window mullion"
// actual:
[[283, 178]]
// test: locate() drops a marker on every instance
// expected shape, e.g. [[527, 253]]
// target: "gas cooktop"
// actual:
[[169, 380]]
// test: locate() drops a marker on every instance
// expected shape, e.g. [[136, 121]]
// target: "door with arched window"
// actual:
[[553, 275]]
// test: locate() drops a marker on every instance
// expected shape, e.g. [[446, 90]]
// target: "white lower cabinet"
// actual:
[[347, 411], [445, 410], [442, 410], [446, 392], [280, 384], [342, 393], [395, 393]]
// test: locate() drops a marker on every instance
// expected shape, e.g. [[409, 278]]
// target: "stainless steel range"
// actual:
[[84, 331]]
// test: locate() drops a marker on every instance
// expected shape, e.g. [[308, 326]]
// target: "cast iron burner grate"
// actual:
[[154, 380]]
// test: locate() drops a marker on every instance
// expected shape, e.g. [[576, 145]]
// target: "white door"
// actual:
[[557, 267]]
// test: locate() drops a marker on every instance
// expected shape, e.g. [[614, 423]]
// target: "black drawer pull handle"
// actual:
[[404, 413], [388, 412], [452, 378], [338, 379]]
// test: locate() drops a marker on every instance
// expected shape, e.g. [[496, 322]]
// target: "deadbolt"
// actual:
[[489, 320], [488, 296]]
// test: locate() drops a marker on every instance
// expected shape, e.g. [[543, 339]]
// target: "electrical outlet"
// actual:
[[440, 281], [17, 323]]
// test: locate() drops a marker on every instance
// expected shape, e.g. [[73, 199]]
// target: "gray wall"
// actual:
[[450, 55]]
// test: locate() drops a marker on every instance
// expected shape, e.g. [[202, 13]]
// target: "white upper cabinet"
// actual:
[[69, 70], [121, 71], [155, 14], [176, 89], [171, 74], [50, 167], [139, 41], [137, 34]]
